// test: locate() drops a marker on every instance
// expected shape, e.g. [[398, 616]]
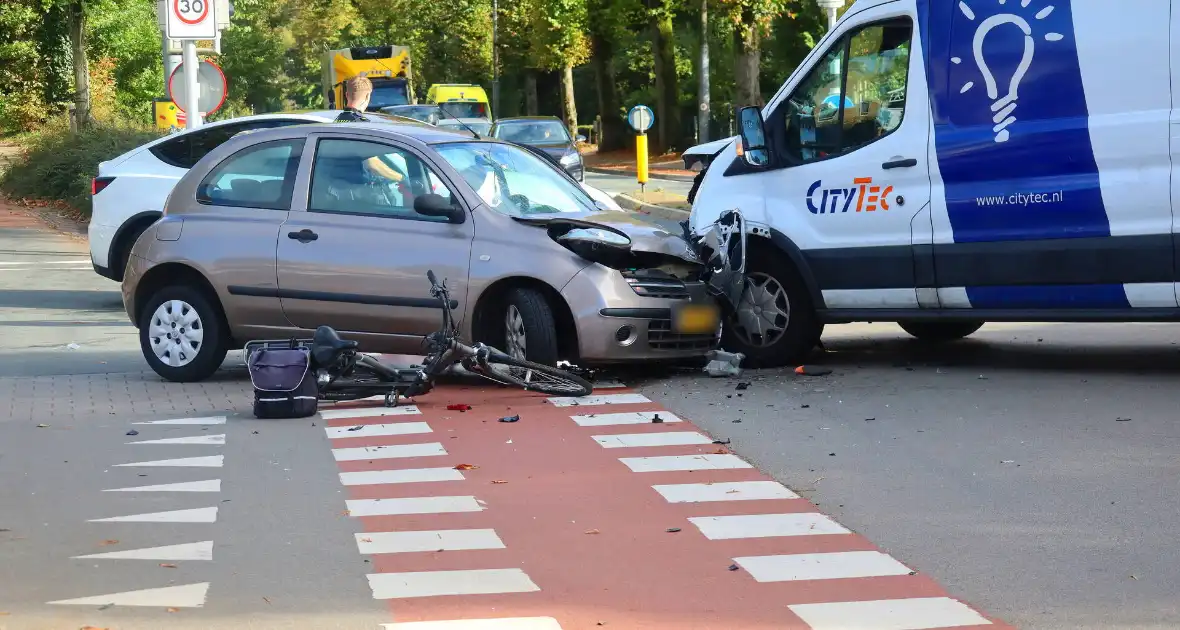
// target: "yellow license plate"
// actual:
[[695, 319]]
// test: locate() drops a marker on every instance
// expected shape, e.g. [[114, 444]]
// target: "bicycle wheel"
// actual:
[[535, 377]]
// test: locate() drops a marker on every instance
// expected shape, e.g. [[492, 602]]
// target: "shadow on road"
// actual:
[[65, 299]]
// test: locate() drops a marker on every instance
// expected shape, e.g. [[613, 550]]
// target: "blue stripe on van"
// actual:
[[1056, 297], [1042, 181]]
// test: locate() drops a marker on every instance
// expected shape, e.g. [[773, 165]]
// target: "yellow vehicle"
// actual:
[[388, 67], [461, 100]]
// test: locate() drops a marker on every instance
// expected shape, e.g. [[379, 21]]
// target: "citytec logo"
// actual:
[[863, 196]]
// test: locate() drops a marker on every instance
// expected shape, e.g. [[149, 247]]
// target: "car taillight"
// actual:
[[99, 183]]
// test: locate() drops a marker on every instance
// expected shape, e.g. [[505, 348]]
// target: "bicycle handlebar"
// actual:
[[430, 276]]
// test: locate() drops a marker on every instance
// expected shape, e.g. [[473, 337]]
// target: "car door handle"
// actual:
[[303, 236], [904, 163]]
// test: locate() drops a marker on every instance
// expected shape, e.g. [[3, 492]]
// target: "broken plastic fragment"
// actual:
[[458, 407], [357, 427], [466, 467], [515, 418], [811, 370]]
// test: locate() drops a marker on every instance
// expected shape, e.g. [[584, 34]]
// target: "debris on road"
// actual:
[[656, 419], [672, 530], [744, 385], [870, 419], [167, 565], [109, 541], [734, 567], [1007, 461], [812, 370], [466, 467], [43, 426], [725, 441], [722, 363], [172, 610], [831, 454], [132, 432], [592, 531], [498, 481], [1122, 419], [460, 407], [357, 427], [515, 418], [805, 406]]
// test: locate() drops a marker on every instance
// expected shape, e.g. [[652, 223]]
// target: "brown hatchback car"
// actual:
[[281, 230]]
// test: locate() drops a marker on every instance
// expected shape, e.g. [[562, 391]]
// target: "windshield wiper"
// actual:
[[459, 120]]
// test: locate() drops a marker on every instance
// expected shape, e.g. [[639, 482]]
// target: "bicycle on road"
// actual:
[[342, 373]]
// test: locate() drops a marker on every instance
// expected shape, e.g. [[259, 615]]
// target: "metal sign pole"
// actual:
[[191, 89]]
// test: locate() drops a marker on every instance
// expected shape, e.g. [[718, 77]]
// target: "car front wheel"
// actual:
[[775, 323], [530, 332], [181, 334]]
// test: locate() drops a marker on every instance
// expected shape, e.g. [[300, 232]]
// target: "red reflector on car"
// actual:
[[99, 183]]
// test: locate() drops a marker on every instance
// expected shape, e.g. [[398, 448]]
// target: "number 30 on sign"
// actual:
[[191, 19]]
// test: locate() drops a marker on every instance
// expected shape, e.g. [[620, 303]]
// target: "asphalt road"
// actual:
[[1031, 470], [616, 184]]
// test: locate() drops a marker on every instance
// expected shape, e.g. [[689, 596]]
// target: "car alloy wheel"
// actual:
[[514, 335], [764, 312], [176, 333]]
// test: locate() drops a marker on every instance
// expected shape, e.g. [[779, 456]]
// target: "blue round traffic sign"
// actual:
[[641, 118]]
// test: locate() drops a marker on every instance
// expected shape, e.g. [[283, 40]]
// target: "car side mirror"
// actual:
[[432, 205], [753, 133], [581, 138]]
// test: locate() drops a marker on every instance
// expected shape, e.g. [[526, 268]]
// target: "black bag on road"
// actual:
[[284, 385]]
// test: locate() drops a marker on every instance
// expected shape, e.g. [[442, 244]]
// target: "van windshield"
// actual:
[[513, 181]]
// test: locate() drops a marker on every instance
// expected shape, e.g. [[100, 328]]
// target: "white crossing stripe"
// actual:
[[440, 540], [405, 475], [631, 417], [209, 461], [506, 623], [433, 583], [684, 462], [187, 551], [413, 505], [209, 420], [922, 613], [211, 485], [766, 525], [183, 596], [194, 440], [669, 438], [197, 515], [730, 491], [821, 566], [369, 412], [375, 430], [388, 452], [604, 399]]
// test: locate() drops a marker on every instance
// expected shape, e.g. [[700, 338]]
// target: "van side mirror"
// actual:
[[753, 132], [433, 205]]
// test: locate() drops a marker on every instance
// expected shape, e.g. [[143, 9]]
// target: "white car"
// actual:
[[129, 192]]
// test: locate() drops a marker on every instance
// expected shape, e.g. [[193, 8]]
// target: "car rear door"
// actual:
[[353, 253]]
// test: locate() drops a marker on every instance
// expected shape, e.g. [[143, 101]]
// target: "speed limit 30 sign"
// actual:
[[191, 19]]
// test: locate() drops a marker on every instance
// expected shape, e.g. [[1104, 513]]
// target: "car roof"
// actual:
[[422, 132]]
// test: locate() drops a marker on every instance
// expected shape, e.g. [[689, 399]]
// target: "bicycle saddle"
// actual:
[[326, 345]]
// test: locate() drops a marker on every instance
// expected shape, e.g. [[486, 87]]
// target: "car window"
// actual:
[[187, 149], [534, 132], [370, 178], [259, 176], [855, 95], [513, 181]]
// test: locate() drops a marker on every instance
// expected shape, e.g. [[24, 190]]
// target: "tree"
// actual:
[[609, 21], [703, 96], [77, 21], [560, 43], [660, 13]]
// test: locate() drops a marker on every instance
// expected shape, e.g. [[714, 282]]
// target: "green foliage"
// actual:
[[58, 165]]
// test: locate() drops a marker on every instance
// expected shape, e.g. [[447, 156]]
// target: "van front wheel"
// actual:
[[936, 332], [775, 323]]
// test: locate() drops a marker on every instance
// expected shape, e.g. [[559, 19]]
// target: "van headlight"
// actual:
[[570, 159]]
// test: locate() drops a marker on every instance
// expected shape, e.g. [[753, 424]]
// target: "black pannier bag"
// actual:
[[284, 384]]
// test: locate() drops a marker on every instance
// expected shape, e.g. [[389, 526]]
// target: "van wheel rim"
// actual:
[[764, 312], [514, 333], [176, 333]]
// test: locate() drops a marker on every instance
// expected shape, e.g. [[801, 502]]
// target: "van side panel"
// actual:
[[1044, 150]]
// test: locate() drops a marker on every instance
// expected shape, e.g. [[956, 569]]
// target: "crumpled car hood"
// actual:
[[646, 238]]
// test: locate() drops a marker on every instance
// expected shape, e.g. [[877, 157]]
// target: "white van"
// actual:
[[945, 163]]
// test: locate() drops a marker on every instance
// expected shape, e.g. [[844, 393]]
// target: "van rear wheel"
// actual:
[[937, 332], [775, 324]]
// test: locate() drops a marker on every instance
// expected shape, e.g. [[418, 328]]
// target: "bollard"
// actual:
[[641, 158]]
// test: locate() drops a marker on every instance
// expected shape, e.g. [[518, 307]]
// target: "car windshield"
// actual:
[[417, 113], [533, 132], [465, 110], [513, 181], [482, 127]]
